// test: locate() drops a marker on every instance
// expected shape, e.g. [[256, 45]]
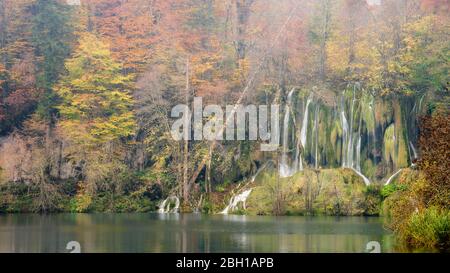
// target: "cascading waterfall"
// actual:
[[420, 104], [352, 133], [358, 155], [285, 169], [365, 179], [298, 165], [348, 150], [392, 177], [304, 131], [316, 137], [164, 207], [236, 200], [242, 198], [260, 170], [344, 138], [413, 149]]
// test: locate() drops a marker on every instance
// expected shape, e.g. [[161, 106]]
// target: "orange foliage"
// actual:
[[435, 157]]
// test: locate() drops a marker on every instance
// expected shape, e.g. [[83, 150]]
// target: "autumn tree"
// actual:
[[435, 156], [129, 27], [96, 108]]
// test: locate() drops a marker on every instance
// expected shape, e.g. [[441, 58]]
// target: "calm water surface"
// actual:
[[190, 233]]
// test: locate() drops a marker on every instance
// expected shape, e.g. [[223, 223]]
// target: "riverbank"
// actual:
[[323, 192]]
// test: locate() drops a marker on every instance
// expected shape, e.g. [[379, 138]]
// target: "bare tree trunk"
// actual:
[[228, 18], [90, 13], [208, 171], [186, 144], [60, 158]]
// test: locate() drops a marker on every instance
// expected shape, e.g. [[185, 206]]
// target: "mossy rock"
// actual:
[[327, 192]]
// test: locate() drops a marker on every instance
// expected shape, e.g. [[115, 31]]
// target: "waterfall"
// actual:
[[413, 149], [297, 162], [350, 135], [260, 170], [304, 131], [285, 169], [316, 137], [344, 138], [235, 200], [352, 124], [420, 104], [366, 180], [358, 155], [164, 207], [392, 177], [348, 149]]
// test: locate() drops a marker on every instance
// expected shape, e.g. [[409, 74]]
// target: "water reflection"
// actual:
[[189, 233]]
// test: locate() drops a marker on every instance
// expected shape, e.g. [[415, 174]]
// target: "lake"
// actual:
[[152, 233]]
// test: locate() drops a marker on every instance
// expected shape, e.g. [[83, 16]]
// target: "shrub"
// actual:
[[82, 201], [428, 229], [372, 200], [388, 190]]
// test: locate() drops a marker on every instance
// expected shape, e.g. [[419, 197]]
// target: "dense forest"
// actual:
[[87, 88]]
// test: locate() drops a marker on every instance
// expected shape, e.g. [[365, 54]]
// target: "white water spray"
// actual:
[[366, 180], [285, 169], [164, 207], [358, 155], [316, 137], [304, 131], [344, 138], [235, 200], [392, 177], [414, 150]]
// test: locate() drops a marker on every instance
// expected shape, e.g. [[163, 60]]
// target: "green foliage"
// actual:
[[15, 198], [161, 177], [372, 202], [428, 229], [207, 207], [81, 203], [390, 189], [430, 54]]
